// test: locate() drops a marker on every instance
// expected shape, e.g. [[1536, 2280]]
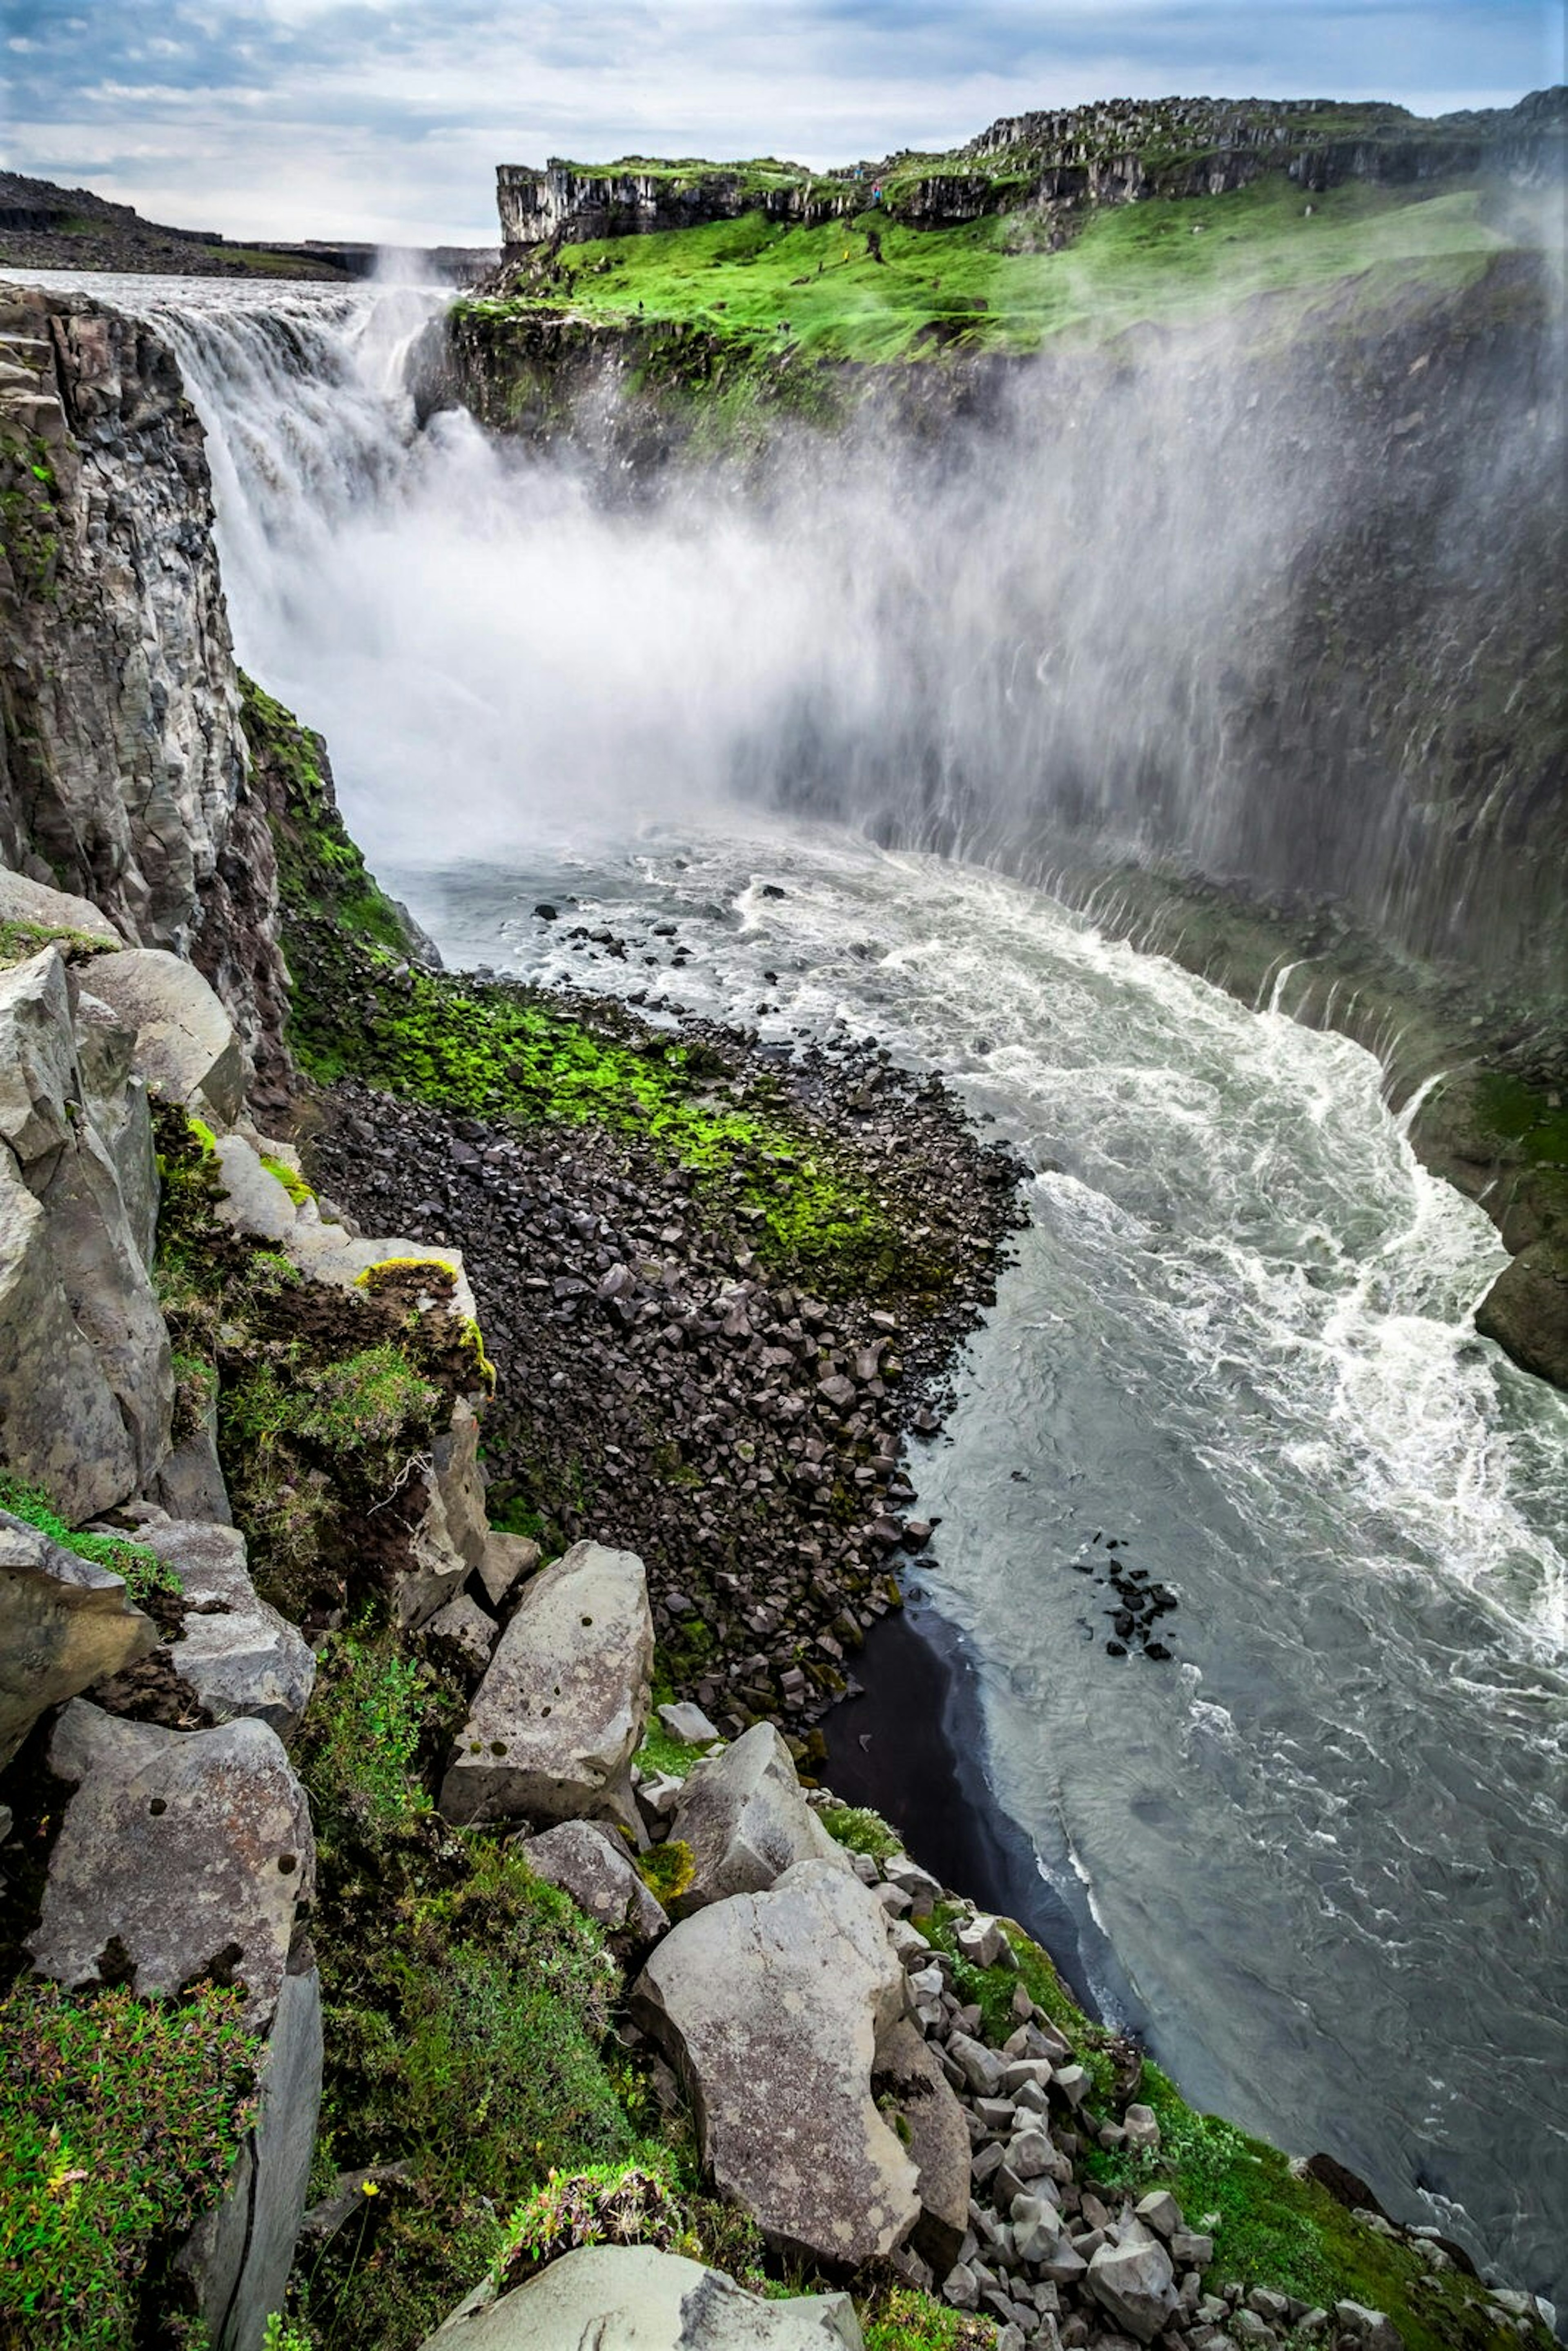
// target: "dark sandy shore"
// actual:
[[913, 1746]]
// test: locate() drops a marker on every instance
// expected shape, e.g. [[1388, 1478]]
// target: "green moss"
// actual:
[[366, 1741], [119, 2122], [21, 940], [667, 1869], [1523, 1114], [290, 1178], [319, 868], [141, 1570], [901, 2319], [662, 1752]]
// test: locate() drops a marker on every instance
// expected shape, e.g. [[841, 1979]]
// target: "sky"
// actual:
[[386, 118]]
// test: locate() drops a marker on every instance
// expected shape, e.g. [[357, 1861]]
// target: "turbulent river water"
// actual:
[[1326, 1842]]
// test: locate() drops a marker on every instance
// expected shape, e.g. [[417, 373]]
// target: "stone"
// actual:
[[505, 1559], [239, 1656], [187, 1046], [688, 1723], [559, 1713], [980, 1941], [593, 1864], [185, 1849], [1160, 2211], [64, 1624], [744, 1816], [190, 1480], [634, 2298], [1139, 2122], [239, 2256], [255, 1200], [771, 2005], [1134, 2282], [1371, 2328], [981, 2067], [907, 2082], [1189, 2251], [39, 1079], [1036, 2229], [463, 1620]]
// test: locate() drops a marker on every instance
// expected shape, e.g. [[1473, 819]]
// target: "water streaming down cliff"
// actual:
[[1327, 1843]]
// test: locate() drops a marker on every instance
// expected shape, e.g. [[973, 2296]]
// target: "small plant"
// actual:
[[608, 2204], [861, 1829], [120, 2119], [142, 1571], [903, 2320], [280, 2334], [290, 1178], [372, 1711]]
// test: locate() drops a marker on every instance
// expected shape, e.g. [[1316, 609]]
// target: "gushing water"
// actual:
[[1328, 1840]]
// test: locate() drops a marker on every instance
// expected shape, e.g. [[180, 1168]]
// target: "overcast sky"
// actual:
[[386, 118]]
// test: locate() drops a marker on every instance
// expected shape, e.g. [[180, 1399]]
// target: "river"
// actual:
[[1325, 1840]]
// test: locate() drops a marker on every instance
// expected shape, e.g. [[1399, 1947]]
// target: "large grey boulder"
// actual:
[[1134, 2282], [180, 1852], [26, 901], [633, 2298], [62, 1429], [239, 1656], [187, 1046], [771, 2005], [593, 1864], [64, 1623], [240, 2254], [255, 1201], [559, 1715], [744, 1816], [910, 2086]]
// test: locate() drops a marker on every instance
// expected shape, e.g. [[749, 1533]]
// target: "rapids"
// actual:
[[1326, 1842]]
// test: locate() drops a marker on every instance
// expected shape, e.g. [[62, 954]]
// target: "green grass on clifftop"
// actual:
[[761, 287]]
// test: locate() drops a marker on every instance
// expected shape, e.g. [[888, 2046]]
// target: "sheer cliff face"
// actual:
[[123, 772]]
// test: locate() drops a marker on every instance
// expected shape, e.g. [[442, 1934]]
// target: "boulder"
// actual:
[[1526, 1309], [182, 1853], [507, 1560], [559, 1713], [62, 1428], [64, 1623], [239, 1656], [254, 1202], [771, 2004], [634, 2298], [240, 2254], [465, 1621], [39, 1087], [744, 1816], [190, 1480], [908, 2083], [594, 1865], [1134, 2282], [186, 1045], [688, 1723]]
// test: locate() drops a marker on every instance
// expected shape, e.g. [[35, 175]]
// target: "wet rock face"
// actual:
[[771, 2004], [123, 774], [562, 1707]]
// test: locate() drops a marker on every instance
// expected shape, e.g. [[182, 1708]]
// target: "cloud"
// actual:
[[385, 117]]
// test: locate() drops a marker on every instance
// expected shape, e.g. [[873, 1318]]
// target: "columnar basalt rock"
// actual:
[[64, 1623]]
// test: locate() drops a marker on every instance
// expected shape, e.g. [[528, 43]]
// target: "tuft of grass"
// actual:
[[861, 1829], [662, 1752], [366, 1742], [290, 1178], [902, 2319], [141, 1570], [120, 2120]]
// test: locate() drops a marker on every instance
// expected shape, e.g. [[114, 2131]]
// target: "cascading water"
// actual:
[[1327, 1841]]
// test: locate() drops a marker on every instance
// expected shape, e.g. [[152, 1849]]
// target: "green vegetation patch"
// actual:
[[761, 290], [467, 2008], [120, 2120], [141, 1570], [20, 940], [861, 1829], [901, 2319], [1287, 2232]]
